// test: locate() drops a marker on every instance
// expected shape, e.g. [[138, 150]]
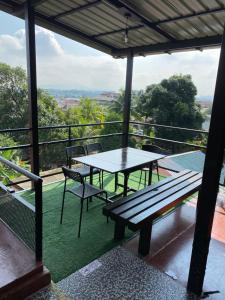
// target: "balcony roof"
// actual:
[[162, 26]]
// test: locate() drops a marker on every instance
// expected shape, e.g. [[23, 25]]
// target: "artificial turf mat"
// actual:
[[63, 252]]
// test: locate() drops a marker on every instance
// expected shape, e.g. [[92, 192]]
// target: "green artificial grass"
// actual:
[[63, 252]]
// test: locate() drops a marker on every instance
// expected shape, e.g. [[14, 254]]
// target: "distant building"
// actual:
[[106, 98], [67, 103]]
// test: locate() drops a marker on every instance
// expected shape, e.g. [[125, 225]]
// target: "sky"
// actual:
[[66, 64]]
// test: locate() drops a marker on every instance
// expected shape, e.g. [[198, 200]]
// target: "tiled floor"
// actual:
[[171, 247], [117, 275]]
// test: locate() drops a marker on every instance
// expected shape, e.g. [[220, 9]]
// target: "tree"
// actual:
[[13, 97], [88, 111], [172, 102], [15, 110], [118, 104], [114, 141]]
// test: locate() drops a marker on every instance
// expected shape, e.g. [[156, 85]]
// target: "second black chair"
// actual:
[[154, 149], [78, 151]]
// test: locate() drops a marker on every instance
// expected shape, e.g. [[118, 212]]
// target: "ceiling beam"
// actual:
[[117, 31], [180, 18], [197, 43], [120, 5], [77, 9], [189, 16], [19, 9]]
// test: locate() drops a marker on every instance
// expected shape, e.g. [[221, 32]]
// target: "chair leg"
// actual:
[[81, 212], [64, 192], [116, 182], [102, 180], [99, 179], [157, 169], [145, 179], [140, 180]]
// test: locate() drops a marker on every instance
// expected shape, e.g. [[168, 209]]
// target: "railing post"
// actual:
[[69, 136], [210, 182], [32, 84], [38, 219], [127, 100]]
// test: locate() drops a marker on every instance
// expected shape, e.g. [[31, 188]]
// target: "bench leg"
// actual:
[[119, 231], [144, 239]]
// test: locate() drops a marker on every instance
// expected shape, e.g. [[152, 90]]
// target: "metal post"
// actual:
[[127, 100], [32, 84], [210, 182], [69, 136], [38, 220]]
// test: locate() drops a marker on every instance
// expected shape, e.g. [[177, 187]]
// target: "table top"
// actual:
[[119, 160]]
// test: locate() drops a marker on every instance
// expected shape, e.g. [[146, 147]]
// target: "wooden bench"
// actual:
[[139, 210]]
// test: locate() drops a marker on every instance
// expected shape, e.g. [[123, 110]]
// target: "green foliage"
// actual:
[[172, 102], [118, 104], [6, 173], [13, 97], [113, 142], [88, 111]]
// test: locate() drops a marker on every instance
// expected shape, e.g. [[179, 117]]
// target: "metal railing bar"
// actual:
[[169, 127], [169, 141], [79, 125], [14, 130], [15, 147], [60, 141], [20, 170]]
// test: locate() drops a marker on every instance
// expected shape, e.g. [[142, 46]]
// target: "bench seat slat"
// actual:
[[144, 191], [158, 209], [152, 202], [138, 200]]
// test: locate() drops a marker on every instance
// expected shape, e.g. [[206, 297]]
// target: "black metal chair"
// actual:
[[77, 151], [155, 149], [93, 149], [83, 190]]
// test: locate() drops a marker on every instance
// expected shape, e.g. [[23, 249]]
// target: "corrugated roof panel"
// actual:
[[210, 4], [152, 34], [212, 22], [180, 30], [93, 27], [193, 5], [208, 25], [221, 18], [165, 8], [182, 9], [109, 16]]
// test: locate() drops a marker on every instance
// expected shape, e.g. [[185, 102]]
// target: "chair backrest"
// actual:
[[94, 148], [74, 151], [74, 175], [152, 148]]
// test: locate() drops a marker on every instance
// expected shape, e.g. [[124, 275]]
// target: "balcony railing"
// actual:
[[22, 218], [170, 144]]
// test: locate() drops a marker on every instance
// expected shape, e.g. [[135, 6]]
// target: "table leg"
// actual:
[[91, 179], [126, 175], [150, 173]]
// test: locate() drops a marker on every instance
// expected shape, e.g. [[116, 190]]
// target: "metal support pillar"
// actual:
[[32, 84], [210, 182], [127, 100]]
